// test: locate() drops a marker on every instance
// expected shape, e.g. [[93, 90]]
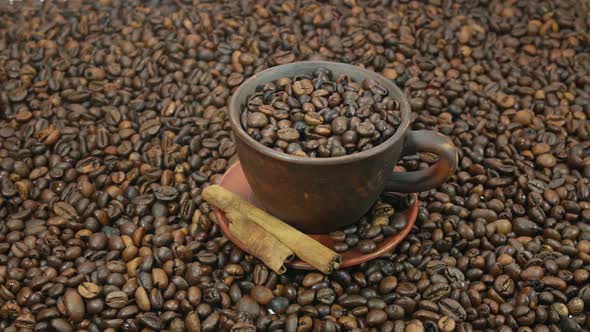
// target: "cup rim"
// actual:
[[261, 78]]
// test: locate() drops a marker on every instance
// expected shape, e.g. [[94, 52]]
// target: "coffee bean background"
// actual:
[[114, 118]]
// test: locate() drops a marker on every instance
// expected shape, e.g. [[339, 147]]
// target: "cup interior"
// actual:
[[249, 87]]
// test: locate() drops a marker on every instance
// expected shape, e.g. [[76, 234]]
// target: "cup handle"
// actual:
[[435, 175]]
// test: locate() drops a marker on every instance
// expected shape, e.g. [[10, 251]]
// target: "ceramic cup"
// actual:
[[318, 195]]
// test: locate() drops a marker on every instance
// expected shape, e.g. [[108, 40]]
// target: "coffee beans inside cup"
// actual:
[[321, 115]]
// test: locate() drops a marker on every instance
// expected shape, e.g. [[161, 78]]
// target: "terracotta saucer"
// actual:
[[235, 181]]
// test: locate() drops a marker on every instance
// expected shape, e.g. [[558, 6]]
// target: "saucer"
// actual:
[[235, 181]]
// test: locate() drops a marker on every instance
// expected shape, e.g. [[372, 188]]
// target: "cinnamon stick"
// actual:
[[259, 242], [306, 248]]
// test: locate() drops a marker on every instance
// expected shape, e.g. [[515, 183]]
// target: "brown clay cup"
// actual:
[[319, 195]]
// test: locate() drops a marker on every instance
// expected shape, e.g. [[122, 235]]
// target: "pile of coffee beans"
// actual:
[[319, 116], [386, 218], [113, 118]]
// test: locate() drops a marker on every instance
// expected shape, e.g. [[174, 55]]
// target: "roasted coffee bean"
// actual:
[[88, 290], [437, 291], [243, 327], [387, 284], [74, 305], [60, 324], [25, 321], [367, 246], [151, 320], [376, 317], [452, 309], [261, 294], [340, 247], [95, 306], [192, 322], [116, 299], [352, 301], [326, 296], [248, 306], [142, 299], [278, 304], [446, 324]]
